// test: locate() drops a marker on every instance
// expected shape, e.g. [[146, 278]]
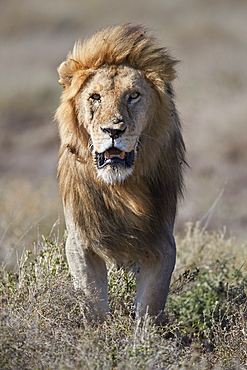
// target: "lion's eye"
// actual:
[[95, 96], [134, 96]]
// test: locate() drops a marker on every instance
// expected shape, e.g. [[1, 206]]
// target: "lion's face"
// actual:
[[114, 106]]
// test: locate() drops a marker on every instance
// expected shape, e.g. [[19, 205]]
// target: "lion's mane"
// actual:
[[121, 221]]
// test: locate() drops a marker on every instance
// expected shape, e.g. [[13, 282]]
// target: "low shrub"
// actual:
[[42, 327]]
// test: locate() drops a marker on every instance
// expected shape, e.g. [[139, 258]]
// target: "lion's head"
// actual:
[[116, 94], [114, 107]]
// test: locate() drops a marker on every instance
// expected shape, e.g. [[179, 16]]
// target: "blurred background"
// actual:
[[210, 39]]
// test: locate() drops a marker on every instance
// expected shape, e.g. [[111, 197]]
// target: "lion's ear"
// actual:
[[66, 71], [64, 78]]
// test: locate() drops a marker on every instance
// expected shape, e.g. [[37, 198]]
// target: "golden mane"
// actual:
[[123, 44]]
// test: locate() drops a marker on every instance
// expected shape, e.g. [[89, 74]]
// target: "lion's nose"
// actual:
[[113, 132]]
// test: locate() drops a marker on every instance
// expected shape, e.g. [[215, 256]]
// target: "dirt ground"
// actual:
[[209, 37]]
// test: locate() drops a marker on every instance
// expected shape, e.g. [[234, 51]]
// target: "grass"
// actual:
[[27, 211], [204, 325]]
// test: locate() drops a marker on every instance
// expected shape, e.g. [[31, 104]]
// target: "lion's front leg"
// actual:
[[152, 283], [90, 276]]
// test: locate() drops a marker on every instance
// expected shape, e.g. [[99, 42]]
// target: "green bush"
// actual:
[[208, 298]]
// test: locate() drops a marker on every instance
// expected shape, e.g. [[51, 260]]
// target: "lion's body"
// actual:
[[120, 163]]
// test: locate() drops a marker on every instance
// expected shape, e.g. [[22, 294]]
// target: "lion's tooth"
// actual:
[[121, 155], [107, 154]]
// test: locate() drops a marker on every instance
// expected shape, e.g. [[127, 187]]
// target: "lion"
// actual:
[[120, 167]]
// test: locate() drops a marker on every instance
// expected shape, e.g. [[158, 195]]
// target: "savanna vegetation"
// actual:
[[204, 325]]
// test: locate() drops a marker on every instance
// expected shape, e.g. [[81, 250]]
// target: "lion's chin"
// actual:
[[113, 174]]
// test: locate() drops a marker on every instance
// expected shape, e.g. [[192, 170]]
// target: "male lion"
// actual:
[[120, 164]]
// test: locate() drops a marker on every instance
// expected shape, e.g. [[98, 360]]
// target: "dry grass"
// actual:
[[204, 327], [27, 211]]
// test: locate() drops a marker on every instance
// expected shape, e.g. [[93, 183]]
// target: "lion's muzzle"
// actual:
[[114, 156], [113, 132]]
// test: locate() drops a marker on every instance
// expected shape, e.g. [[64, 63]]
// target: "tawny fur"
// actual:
[[130, 220]]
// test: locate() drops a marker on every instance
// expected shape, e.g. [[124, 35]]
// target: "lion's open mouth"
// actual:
[[114, 155]]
